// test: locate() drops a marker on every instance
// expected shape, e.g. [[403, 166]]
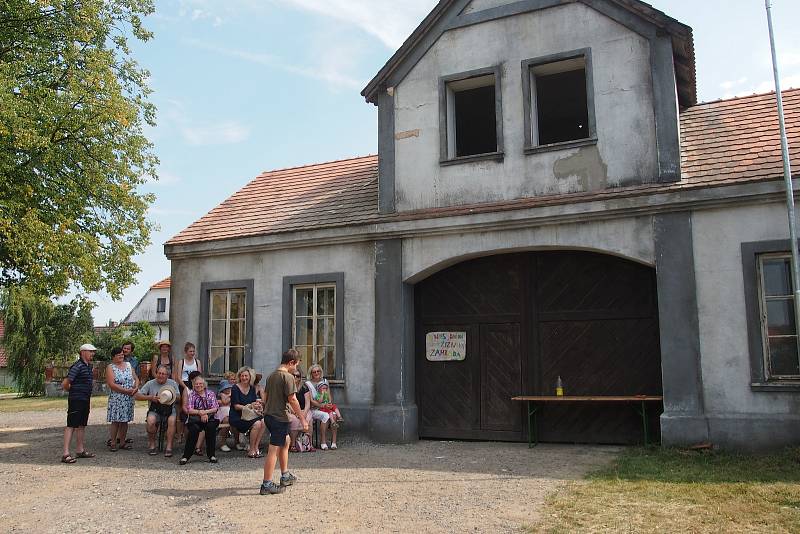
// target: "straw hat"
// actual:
[[164, 342], [167, 395]]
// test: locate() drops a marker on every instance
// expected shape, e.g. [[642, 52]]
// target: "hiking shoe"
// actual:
[[287, 479], [270, 488]]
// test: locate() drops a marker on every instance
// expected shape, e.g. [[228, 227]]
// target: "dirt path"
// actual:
[[428, 486]]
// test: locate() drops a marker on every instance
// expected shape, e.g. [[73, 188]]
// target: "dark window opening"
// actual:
[[161, 305], [561, 106], [475, 121]]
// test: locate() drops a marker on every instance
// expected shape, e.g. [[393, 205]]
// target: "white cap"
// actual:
[[87, 346]]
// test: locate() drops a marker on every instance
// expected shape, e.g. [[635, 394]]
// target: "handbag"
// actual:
[[193, 419], [304, 443]]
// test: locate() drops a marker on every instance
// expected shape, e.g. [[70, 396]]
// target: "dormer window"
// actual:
[[559, 102], [470, 116]]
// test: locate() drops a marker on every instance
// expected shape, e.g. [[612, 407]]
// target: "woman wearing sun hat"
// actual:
[[163, 358]]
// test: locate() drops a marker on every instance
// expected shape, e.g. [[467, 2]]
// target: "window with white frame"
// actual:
[[778, 323], [314, 325], [226, 330]]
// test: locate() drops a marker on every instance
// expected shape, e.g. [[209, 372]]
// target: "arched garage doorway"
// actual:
[[531, 317]]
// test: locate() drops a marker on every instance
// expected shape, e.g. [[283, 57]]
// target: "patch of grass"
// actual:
[[670, 490], [29, 404]]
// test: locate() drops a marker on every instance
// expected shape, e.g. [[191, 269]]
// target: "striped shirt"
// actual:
[[80, 378]]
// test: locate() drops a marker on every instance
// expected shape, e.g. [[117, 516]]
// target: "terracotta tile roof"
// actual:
[[163, 284], [337, 193], [722, 142], [739, 139], [3, 359]]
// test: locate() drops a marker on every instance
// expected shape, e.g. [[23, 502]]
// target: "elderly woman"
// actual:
[[201, 406], [244, 394], [122, 384], [304, 398], [320, 401]]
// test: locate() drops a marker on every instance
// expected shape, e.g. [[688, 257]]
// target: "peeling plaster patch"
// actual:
[[587, 165], [407, 134]]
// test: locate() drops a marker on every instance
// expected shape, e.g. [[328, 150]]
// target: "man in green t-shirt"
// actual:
[[280, 391]]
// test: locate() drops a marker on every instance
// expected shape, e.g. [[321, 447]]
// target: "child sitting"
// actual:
[[222, 414], [324, 398]]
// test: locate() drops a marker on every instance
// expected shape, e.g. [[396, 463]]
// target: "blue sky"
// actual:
[[244, 86]]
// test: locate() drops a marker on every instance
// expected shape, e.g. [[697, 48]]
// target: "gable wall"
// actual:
[[624, 154], [145, 310]]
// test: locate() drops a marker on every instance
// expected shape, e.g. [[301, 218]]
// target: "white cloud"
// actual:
[[730, 84], [225, 133], [790, 81], [389, 21], [328, 74]]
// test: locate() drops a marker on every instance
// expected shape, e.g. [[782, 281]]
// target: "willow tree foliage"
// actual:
[[73, 105], [38, 331]]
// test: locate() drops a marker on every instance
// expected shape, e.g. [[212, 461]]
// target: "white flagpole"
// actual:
[[787, 173]]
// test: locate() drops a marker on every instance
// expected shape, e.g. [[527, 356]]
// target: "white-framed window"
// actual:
[[227, 324], [314, 325], [778, 322]]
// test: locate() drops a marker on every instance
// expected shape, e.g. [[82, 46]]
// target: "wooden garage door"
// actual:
[[530, 318]]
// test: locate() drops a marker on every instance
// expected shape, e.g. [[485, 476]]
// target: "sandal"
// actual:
[[168, 453], [125, 447], [152, 452], [129, 440], [68, 459], [112, 448], [198, 452], [255, 455], [85, 454]]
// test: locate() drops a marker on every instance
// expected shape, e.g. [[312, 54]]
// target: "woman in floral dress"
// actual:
[[123, 384]]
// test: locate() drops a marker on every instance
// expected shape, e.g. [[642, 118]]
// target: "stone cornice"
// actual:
[[586, 211]]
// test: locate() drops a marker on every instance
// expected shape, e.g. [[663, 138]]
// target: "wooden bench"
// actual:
[[639, 402]]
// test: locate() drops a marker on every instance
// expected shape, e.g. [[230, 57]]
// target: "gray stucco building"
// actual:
[[551, 201]]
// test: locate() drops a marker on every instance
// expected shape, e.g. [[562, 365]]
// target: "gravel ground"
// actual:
[[428, 486]]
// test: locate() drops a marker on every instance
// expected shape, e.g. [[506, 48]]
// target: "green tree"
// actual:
[[141, 334], [37, 331], [73, 104]]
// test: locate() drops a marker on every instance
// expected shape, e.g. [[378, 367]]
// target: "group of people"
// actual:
[[180, 399]]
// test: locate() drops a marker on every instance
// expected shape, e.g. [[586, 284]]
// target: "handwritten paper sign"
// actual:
[[445, 346]]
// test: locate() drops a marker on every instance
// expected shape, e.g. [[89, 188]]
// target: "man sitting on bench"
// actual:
[[162, 392]]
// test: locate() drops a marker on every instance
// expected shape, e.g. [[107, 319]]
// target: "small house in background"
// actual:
[[154, 309]]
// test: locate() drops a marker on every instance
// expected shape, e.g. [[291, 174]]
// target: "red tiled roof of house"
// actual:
[[3, 359], [337, 193], [163, 284], [739, 139], [725, 141]]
